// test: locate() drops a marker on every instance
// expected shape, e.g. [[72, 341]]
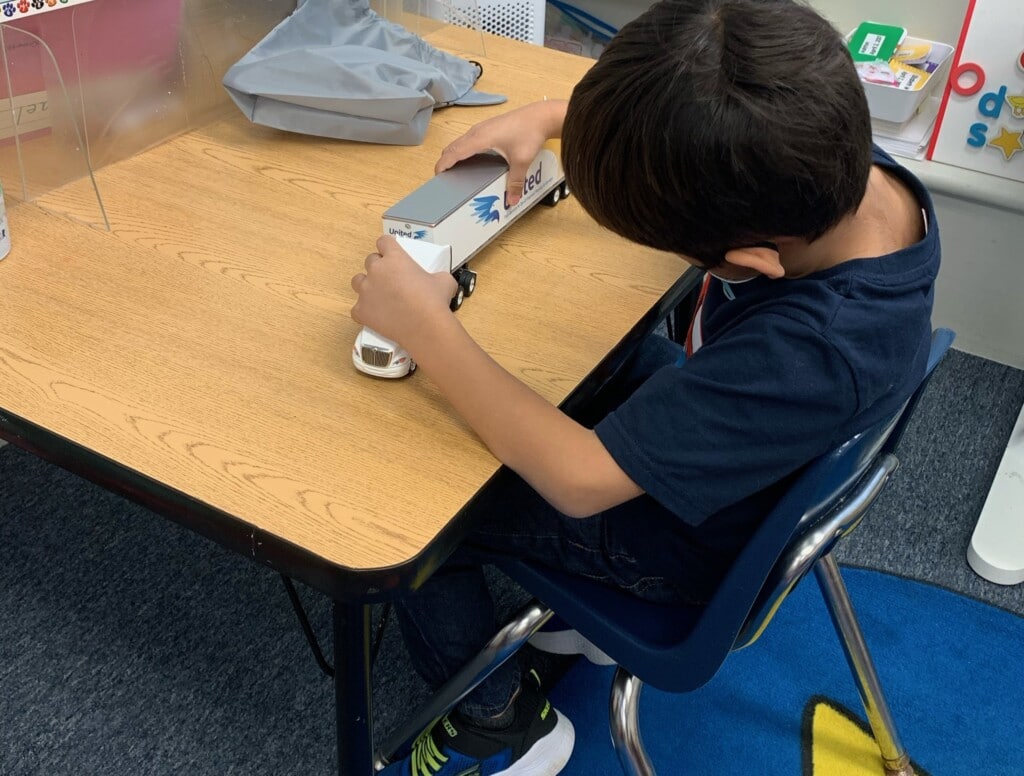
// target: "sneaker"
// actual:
[[558, 638], [538, 743]]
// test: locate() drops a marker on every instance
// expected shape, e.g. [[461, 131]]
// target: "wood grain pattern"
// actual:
[[205, 340]]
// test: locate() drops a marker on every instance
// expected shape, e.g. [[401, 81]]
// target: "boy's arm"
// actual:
[[563, 461], [517, 135]]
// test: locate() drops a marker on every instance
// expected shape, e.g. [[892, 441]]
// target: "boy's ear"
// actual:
[[760, 258]]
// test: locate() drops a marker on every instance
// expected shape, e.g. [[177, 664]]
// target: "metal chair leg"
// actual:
[[500, 648], [837, 599], [624, 724]]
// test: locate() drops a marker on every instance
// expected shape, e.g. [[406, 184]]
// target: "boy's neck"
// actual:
[[887, 220]]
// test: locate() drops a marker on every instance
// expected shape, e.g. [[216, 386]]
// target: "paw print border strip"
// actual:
[[12, 10]]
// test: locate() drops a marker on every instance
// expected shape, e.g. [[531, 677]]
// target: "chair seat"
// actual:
[[653, 641], [650, 624], [635, 633]]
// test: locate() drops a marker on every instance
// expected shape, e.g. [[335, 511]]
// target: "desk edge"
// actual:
[[340, 582]]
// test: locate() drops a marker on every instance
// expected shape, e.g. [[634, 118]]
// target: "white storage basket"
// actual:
[[518, 19]]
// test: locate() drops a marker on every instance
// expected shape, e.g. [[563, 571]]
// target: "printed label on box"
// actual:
[[907, 77], [871, 45], [875, 41]]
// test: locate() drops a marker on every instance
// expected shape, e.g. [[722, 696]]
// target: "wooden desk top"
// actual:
[[205, 341]]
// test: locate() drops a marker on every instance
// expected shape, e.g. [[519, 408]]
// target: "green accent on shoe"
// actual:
[[426, 758]]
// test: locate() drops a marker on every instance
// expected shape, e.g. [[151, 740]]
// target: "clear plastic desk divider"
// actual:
[[90, 83]]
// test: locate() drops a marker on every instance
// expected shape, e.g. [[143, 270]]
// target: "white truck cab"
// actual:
[[444, 223]]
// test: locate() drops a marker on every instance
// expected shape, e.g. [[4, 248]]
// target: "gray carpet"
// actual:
[[130, 646], [921, 525]]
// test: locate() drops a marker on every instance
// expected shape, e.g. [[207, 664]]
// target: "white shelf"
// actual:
[[969, 185]]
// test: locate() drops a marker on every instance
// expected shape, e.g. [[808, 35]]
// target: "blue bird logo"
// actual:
[[485, 209], [419, 234]]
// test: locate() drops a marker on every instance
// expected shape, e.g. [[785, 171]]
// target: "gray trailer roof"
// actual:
[[443, 194]]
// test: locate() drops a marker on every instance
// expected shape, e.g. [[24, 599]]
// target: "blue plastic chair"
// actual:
[[679, 649]]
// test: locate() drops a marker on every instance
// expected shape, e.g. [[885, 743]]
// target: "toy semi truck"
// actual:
[[447, 221]]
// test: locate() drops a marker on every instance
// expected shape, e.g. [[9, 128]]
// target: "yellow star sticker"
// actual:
[[1008, 142]]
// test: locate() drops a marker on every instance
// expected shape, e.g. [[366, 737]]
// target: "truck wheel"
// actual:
[[565, 190], [458, 299], [412, 367], [553, 196], [467, 279]]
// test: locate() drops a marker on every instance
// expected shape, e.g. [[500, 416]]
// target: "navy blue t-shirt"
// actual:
[[787, 369]]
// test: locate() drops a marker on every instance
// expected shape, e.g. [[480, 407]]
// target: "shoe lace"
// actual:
[[426, 758]]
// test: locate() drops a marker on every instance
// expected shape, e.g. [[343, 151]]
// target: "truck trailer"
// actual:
[[447, 221]]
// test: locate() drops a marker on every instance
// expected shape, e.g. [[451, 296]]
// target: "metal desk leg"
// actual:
[[352, 689]]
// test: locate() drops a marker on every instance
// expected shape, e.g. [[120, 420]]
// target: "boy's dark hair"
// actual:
[[708, 125]]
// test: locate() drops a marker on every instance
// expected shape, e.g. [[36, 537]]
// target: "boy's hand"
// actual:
[[398, 298], [517, 135]]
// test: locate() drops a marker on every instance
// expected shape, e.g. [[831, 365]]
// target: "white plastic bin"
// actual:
[[890, 103]]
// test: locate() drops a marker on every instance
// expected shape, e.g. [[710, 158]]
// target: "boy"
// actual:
[[736, 134]]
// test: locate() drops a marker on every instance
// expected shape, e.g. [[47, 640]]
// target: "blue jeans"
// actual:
[[636, 546]]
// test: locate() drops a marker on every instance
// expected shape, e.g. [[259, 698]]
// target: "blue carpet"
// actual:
[[950, 667]]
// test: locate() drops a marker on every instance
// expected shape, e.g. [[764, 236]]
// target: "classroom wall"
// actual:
[[933, 19]]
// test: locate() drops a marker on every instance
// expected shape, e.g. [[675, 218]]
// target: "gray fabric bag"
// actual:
[[335, 68]]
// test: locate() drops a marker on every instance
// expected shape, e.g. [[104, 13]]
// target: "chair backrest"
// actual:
[[866, 461], [679, 649]]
